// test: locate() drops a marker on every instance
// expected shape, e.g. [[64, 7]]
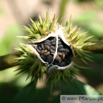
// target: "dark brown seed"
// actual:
[[63, 56], [38, 50], [47, 41], [42, 52], [59, 53], [47, 47], [52, 51], [47, 53], [53, 40], [53, 43], [60, 46], [52, 47], [67, 50], [62, 50], [58, 58], [42, 45], [59, 43]]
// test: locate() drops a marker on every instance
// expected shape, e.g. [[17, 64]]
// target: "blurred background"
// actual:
[[87, 14]]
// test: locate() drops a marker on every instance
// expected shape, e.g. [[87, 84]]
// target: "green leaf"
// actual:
[[26, 95], [31, 95]]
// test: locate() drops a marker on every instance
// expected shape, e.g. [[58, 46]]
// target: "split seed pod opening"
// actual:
[[53, 51]]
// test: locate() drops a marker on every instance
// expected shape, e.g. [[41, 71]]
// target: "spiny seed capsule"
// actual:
[[50, 47]]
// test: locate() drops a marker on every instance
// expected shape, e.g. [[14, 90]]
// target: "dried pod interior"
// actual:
[[54, 51], [64, 54], [46, 49]]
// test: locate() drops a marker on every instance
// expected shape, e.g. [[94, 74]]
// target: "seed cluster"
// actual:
[[64, 54], [47, 49]]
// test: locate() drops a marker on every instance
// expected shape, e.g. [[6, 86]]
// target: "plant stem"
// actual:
[[96, 48], [9, 60], [62, 10]]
